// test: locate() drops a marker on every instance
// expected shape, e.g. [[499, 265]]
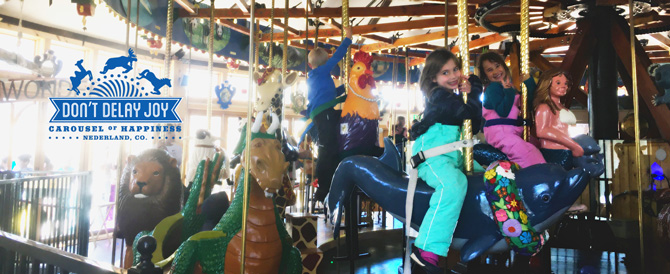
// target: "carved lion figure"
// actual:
[[150, 190]]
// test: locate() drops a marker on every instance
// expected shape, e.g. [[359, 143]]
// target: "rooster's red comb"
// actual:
[[362, 56]]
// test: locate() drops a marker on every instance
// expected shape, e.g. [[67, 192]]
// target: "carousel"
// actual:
[[380, 136]]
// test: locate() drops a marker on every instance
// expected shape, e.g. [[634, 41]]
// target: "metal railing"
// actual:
[[53, 210], [19, 256]]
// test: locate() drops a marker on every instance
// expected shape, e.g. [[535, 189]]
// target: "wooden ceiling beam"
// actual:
[[232, 25], [242, 4], [647, 49], [474, 45], [544, 44], [582, 44], [419, 39], [281, 25], [660, 60], [661, 39], [331, 23], [646, 86], [482, 42], [364, 29], [377, 38], [416, 61], [654, 48], [355, 12], [426, 46]]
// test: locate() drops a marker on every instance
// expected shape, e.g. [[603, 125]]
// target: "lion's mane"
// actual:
[[134, 214]]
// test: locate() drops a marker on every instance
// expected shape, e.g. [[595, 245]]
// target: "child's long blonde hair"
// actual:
[[542, 95]]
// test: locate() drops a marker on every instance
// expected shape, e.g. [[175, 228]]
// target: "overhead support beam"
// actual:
[[660, 60], [242, 4], [581, 44], [475, 44], [544, 44], [336, 29], [232, 25], [186, 5], [545, 64], [484, 41], [419, 39], [646, 85], [364, 29], [416, 61], [281, 25], [331, 23], [661, 39], [377, 38], [358, 12], [426, 46]]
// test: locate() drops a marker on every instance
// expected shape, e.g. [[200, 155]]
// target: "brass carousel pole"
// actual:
[[407, 120], [168, 43], [120, 161], [636, 115], [284, 67], [463, 39], [284, 60], [272, 32], [128, 25], [345, 24], [446, 24], [524, 64], [303, 177], [257, 66], [394, 79], [210, 65], [247, 162]]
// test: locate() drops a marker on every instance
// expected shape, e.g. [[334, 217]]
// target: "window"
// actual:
[[102, 59], [5, 119], [200, 122], [198, 83], [24, 134], [138, 146], [241, 84], [234, 125], [27, 50], [298, 127], [69, 54], [156, 68]]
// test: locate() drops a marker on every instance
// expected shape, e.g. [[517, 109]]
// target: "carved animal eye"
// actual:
[[545, 197], [134, 171], [156, 173]]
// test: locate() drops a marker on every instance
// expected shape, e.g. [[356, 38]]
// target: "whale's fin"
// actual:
[[475, 248], [391, 155]]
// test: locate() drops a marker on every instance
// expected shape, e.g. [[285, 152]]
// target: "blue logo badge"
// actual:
[[116, 96]]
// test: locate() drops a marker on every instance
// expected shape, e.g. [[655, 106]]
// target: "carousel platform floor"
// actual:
[[384, 245]]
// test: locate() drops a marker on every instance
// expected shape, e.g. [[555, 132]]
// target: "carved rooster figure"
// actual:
[[360, 113]]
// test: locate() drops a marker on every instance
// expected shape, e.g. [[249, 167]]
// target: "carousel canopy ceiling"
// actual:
[[379, 25]]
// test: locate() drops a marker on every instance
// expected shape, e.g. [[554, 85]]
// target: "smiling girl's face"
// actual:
[[494, 71], [449, 76]]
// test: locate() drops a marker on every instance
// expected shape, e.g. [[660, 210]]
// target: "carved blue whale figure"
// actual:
[[547, 191]]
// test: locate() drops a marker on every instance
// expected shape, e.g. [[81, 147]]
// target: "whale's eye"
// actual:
[[545, 197]]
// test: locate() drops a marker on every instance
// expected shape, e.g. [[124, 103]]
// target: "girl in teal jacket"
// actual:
[[441, 124]]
